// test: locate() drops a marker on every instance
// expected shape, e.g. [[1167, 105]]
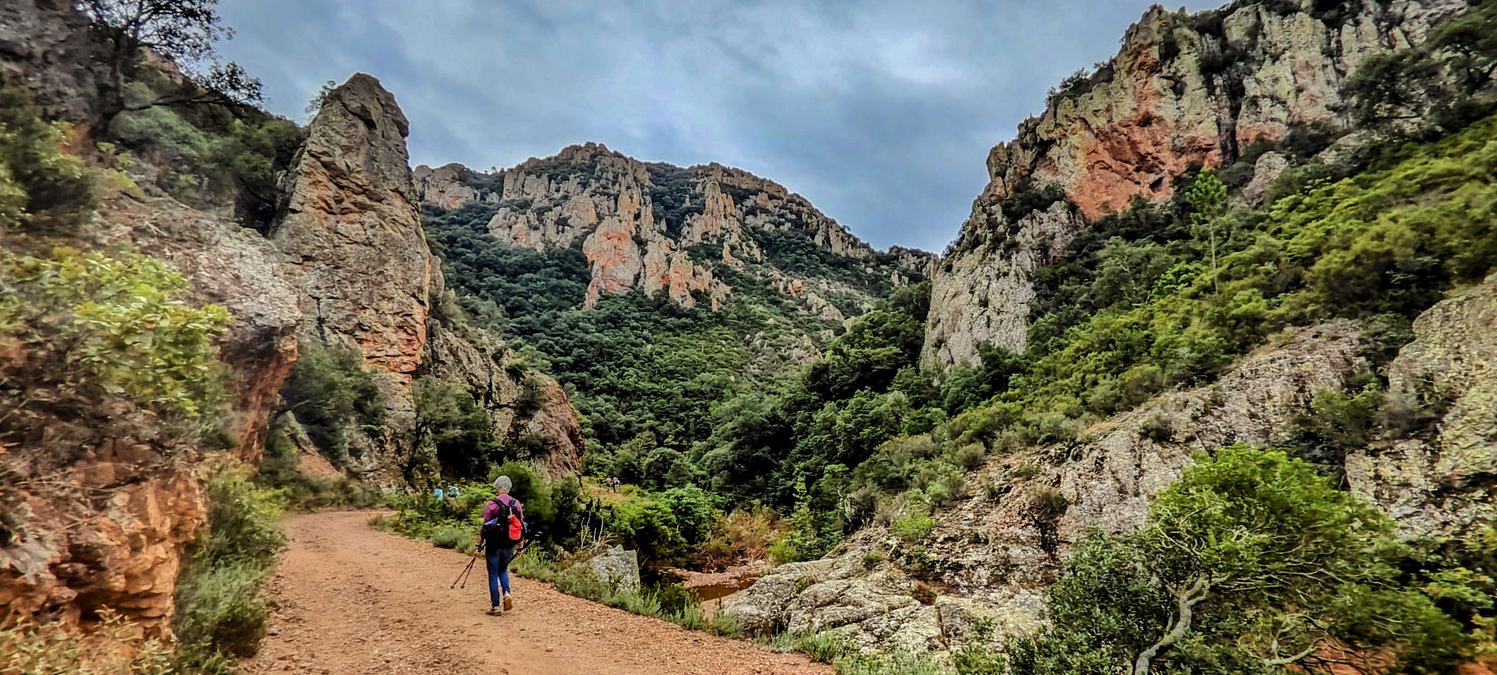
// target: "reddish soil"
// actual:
[[350, 599]]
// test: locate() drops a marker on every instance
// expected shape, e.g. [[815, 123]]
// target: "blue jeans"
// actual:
[[498, 559]]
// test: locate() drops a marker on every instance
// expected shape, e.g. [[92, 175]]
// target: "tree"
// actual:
[[182, 31], [1469, 44], [1207, 198], [1400, 86], [315, 105], [1391, 87], [448, 416], [1251, 562]]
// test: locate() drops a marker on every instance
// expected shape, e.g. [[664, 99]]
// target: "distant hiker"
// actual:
[[502, 532], [437, 493], [453, 492], [613, 483]]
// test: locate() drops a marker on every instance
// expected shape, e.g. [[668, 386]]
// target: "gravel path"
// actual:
[[350, 599]]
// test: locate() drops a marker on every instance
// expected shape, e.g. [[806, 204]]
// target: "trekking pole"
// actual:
[[463, 576]]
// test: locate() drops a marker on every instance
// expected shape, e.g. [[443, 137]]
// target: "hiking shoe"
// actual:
[[508, 604], [496, 611]]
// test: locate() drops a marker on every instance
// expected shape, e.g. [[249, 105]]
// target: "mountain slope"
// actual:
[[1184, 91], [650, 289], [1333, 315]]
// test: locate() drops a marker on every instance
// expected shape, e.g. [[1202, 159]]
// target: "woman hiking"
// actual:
[[501, 533]]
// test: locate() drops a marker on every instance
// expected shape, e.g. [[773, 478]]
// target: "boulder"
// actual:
[[616, 567]]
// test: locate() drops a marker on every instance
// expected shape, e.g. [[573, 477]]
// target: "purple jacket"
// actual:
[[490, 509]]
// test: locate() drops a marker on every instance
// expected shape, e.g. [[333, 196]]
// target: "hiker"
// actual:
[[453, 492], [500, 536], [437, 493]]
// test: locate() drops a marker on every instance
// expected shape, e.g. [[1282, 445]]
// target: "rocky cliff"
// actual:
[[352, 236], [995, 552], [1444, 479], [348, 265], [1183, 91], [656, 228]]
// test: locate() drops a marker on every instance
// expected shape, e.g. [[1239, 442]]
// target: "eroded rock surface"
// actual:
[[659, 229], [1183, 91], [353, 240], [1444, 479]]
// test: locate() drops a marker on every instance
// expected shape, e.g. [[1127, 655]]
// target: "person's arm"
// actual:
[[487, 514]]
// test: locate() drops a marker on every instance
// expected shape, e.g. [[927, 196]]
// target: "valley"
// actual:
[[1205, 383]]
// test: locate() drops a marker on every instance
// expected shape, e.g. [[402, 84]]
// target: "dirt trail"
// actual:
[[350, 599]]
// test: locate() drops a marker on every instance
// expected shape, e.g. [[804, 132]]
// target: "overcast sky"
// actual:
[[881, 113]]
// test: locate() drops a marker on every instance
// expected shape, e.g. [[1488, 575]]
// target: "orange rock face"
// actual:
[[1181, 93]]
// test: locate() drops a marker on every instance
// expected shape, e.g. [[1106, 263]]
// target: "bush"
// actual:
[[694, 510], [279, 470], [448, 416], [115, 646], [96, 325], [650, 528], [242, 523], [1250, 543], [219, 612], [454, 537], [220, 607], [971, 456], [41, 187], [742, 535], [331, 393], [912, 527]]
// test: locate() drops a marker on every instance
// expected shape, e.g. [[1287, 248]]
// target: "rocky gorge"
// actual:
[[1204, 276]]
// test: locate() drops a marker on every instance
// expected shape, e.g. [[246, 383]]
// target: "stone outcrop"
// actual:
[[1444, 480], [122, 474], [646, 227], [352, 238], [444, 188], [45, 47], [992, 555], [238, 269], [1183, 91], [982, 294]]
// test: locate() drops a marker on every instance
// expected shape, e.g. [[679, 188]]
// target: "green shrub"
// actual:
[[448, 416], [97, 325], [279, 470], [912, 527], [220, 607], [219, 612], [694, 510], [1270, 560], [880, 663], [971, 456], [116, 646], [822, 647], [41, 187], [242, 523], [650, 528], [332, 393], [454, 537]]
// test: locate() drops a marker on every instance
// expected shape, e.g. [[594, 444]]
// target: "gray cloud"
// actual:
[[881, 112]]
